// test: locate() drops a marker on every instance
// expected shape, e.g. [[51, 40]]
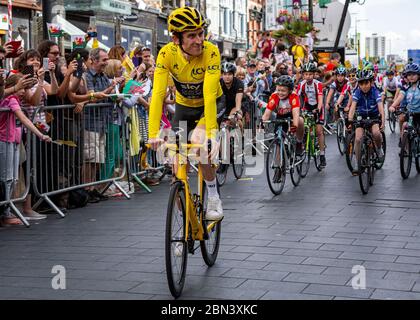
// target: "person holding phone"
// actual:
[[49, 49], [10, 139]]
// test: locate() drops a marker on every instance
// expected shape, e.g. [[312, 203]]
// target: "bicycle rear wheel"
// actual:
[[209, 246], [221, 173], [275, 167], [364, 167], [406, 156], [176, 253], [341, 136]]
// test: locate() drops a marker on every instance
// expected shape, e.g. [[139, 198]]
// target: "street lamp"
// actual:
[[358, 38], [323, 8]]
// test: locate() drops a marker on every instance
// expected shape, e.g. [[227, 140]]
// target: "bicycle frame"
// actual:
[[310, 127], [192, 206]]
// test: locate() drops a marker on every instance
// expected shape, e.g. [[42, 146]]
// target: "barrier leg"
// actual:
[[19, 215], [122, 190], [141, 183], [53, 206]]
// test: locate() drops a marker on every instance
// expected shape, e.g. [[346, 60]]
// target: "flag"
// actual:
[[78, 42], [54, 30]]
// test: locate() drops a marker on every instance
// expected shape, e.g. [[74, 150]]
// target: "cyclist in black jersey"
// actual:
[[233, 90]]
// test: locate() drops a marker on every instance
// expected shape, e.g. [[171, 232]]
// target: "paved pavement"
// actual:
[[302, 244]]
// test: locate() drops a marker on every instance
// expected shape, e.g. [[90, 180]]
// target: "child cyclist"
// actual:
[[346, 97], [367, 102], [409, 94], [285, 103], [311, 92], [336, 88]]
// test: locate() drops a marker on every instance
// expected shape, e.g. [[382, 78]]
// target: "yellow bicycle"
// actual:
[[186, 223]]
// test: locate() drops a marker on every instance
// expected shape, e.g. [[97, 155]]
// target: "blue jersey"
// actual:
[[367, 103], [411, 98]]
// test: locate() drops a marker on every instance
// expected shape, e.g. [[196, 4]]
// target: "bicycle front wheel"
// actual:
[[350, 153], [381, 164], [406, 156], [275, 166], [176, 252], [364, 168], [295, 167], [209, 246], [317, 156], [237, 157], [392, 119], [341, 136], [417, 154]]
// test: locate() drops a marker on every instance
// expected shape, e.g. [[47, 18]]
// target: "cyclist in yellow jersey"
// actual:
[[194, 65]]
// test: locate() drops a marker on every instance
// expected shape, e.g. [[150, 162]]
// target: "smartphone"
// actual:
[[79, 71], [29, 70], [16, 45], [1, 64], [45, 62]]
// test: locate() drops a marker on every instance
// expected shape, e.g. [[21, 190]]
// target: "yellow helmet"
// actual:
[[185, 19]]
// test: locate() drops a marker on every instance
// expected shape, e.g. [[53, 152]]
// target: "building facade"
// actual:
[[256, 21], [26, 15], [375, 46], [228, 26]]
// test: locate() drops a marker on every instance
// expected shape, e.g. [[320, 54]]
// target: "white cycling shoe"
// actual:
[[214, 209]]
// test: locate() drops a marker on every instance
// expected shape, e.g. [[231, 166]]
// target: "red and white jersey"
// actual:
[[349, 89], [283, 107], [310, 92]]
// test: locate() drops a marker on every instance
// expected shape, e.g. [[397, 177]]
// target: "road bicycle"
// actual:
[[231, 149], [282, 157], [186, 222], [410, 146], [311, 144]]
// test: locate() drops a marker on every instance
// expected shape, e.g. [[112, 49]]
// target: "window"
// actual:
[[225, 21], [133, 37], [106, 33]]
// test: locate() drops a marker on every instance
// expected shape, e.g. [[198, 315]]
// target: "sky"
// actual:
[[397, 20]]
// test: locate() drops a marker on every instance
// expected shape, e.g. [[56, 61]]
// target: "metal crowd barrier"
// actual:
[[13, 165], [134, 160], [88, 150]]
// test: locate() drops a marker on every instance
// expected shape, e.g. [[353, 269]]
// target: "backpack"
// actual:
[[77, 199]]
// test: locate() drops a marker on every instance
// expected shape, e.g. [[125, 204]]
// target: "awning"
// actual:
[[72, 30]]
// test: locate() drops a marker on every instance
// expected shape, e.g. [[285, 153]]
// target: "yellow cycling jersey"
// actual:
[[197, 83]]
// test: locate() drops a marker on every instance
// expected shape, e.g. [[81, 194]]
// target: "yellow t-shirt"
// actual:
[[197, 83]]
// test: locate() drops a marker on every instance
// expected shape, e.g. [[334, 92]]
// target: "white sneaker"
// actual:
[[214, 209], [178, 249]]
